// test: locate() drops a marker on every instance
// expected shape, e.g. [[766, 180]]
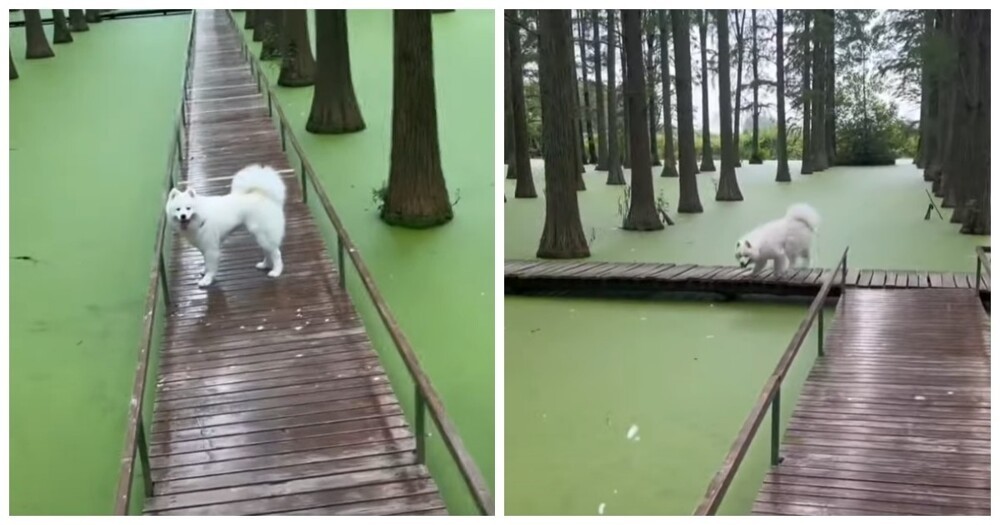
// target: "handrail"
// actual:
[[981, 263], [424, 390], [771, 395], [135, 434]]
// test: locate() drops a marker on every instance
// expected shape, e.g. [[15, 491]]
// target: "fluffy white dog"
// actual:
[[256, 200], [782, 241]]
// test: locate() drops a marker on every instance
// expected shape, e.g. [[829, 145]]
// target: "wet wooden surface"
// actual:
[[895, 418], [270, 398], [592, 277]]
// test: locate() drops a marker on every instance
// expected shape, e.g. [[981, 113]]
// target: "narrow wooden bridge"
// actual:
[[894, 417], [269, 397]]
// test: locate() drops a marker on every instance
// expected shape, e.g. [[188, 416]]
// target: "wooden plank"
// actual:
[[896, 418], [269, 395]]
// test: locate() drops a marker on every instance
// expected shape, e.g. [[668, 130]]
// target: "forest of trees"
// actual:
[[831, 81]]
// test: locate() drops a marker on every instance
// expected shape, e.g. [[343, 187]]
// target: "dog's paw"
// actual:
[[205, 281], [261, 265], [274, 273]]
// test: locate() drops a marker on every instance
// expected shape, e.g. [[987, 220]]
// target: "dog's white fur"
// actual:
[[782, 241], [256, 200]]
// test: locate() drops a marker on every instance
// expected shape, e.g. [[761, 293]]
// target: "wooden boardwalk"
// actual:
[[895, 417], [269, 398], [609, 278]]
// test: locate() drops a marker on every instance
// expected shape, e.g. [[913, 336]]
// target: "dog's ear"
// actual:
[[748, 244], [190, 192], [173, 193]]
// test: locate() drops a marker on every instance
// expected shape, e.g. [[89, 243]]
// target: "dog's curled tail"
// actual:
[[805, 214], [263, 179]]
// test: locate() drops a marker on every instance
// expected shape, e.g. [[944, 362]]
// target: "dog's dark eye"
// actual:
[[178, 209]]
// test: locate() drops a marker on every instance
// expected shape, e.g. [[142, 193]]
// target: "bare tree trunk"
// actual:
[[78, 21], [334, 106], [37, 43], [820, 27], [784, 174], [520, 165], [94, 16], [416, 196], [602, 116], [729, 188], [577, 118], [615, 174], [258, 24], [707, 163], [930, 129], [626, 146], [652, 112], [297, 65], [270, 48], [248, 18], [755, 157], [591, 157], [688, 201], [830, 118], [642, 213], [738, 108], [562, 235], [977, 215], [807, 152], [669, 160], [60, 28], [924, 142], [13, 68]]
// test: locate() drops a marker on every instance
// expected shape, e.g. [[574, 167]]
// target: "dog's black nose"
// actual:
[[184, 217]]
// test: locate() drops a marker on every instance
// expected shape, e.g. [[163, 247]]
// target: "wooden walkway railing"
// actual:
[[174, 472]]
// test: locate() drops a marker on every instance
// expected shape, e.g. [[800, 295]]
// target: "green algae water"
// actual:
[[90, 131]]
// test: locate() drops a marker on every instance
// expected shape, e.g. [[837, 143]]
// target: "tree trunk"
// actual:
[[784, 174], [615, 174], [945, 88], [13, 68], [830, 90], [37, 43], [562, 235], [520, 166], [642, 213], [626, 147], [416, 196], [334, 106], [927, 107], [260, 16], [755, 157], [591, 157], [707, 163], [270, 48], [602, 116], [729, 188], [688, 202], [94, 16], [738, 108], [652, 112], [297, 65], [249, 18], [78, 21], [508, 112], [977, 216], [807, 153], [669, 160], [60, 28], [577, 118], [820, 26]]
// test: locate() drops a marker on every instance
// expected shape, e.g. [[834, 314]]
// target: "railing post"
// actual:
[[270, 110], [305, 188], [419, 424], [819, 342], [180, 154], [340, 260], [281, 126], [147, 476], [776, 427], [163, 281], [979, 270], [843, 274]]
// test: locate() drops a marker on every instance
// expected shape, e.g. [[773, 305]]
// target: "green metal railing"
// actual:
[[135, 433], [427, 399], [770, 397]]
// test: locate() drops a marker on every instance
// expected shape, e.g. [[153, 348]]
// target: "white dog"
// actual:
[[256, 200], [782, 241]]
